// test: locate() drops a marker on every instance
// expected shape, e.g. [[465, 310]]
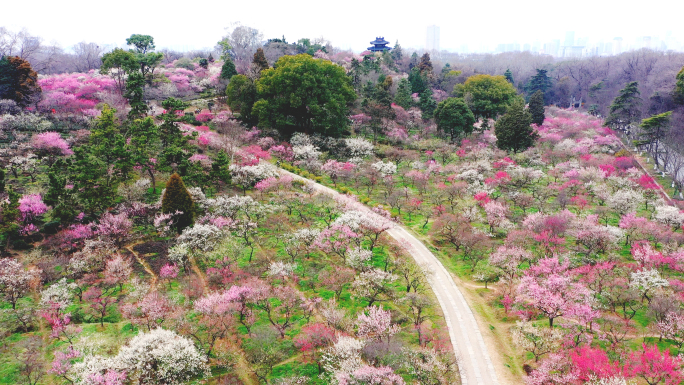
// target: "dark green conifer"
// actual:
[[536, 108], [177, 198]]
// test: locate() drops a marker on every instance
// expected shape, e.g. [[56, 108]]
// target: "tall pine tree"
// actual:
[[509, 75], [626, 107], [403, 95]]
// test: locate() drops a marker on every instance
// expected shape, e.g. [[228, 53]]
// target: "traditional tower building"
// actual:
[[379, 45]]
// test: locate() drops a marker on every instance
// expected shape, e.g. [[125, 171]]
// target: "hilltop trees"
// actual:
[[454, 118], [487, 96], [303, 94]]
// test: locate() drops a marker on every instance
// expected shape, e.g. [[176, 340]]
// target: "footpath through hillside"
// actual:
[[474, 363]]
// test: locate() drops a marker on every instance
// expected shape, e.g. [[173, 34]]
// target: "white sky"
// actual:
[[347, 24]]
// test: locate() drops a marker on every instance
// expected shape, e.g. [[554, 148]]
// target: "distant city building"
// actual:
[[379, 45], [617, 46], [569, 39], [432, 39]]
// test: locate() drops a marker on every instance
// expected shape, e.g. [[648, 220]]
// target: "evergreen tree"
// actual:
[[2, 180], [539, 82], [219, 173], [509, 75], [626, 107], [210, 58], [427, 104], [18, 81], [397, 53], [454, 118], [379, 106], [536, 107], [678, 94], [425, 65], [513, 130], [260, 60], [418, 81], [94, 184], [303, 94], [9, 218], [177, 199], [403, 96], [204, 63], [144, 140], [174, 144], [414, 61], [135, 94], [58, 196], [653, 130], [228, 69], [242, 94]]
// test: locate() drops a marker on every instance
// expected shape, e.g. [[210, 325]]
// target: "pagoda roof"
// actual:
[[379, 40], [376, 49]]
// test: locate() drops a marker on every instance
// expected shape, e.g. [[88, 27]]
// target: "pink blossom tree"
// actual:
[[118, 271], [100, 301], [376, 324], [313, 338], [548, 289], [49, 145], [151, 311], [116, 228], [656, 367]]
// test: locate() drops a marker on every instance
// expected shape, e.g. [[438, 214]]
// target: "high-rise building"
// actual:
[[432, 40], [569, 39], [617, 46]]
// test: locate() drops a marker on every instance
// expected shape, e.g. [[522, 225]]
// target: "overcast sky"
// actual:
[[347, 24]]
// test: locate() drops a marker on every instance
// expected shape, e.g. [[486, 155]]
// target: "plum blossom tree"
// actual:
[[100, 301], [370, 375], [537, 340], [15, 281], [646, 282], [118, 270], [50, 145], [313, 338], [373, 286], [115, 228], [376, 324], [656, 367], [161, 357], [556, 370], [31, 207], [151, 311], [672, 327], [335, 280], [551, 291]]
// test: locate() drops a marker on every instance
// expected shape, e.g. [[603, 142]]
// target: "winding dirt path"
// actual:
[[145, 265], [198, 271], [474, 362]]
